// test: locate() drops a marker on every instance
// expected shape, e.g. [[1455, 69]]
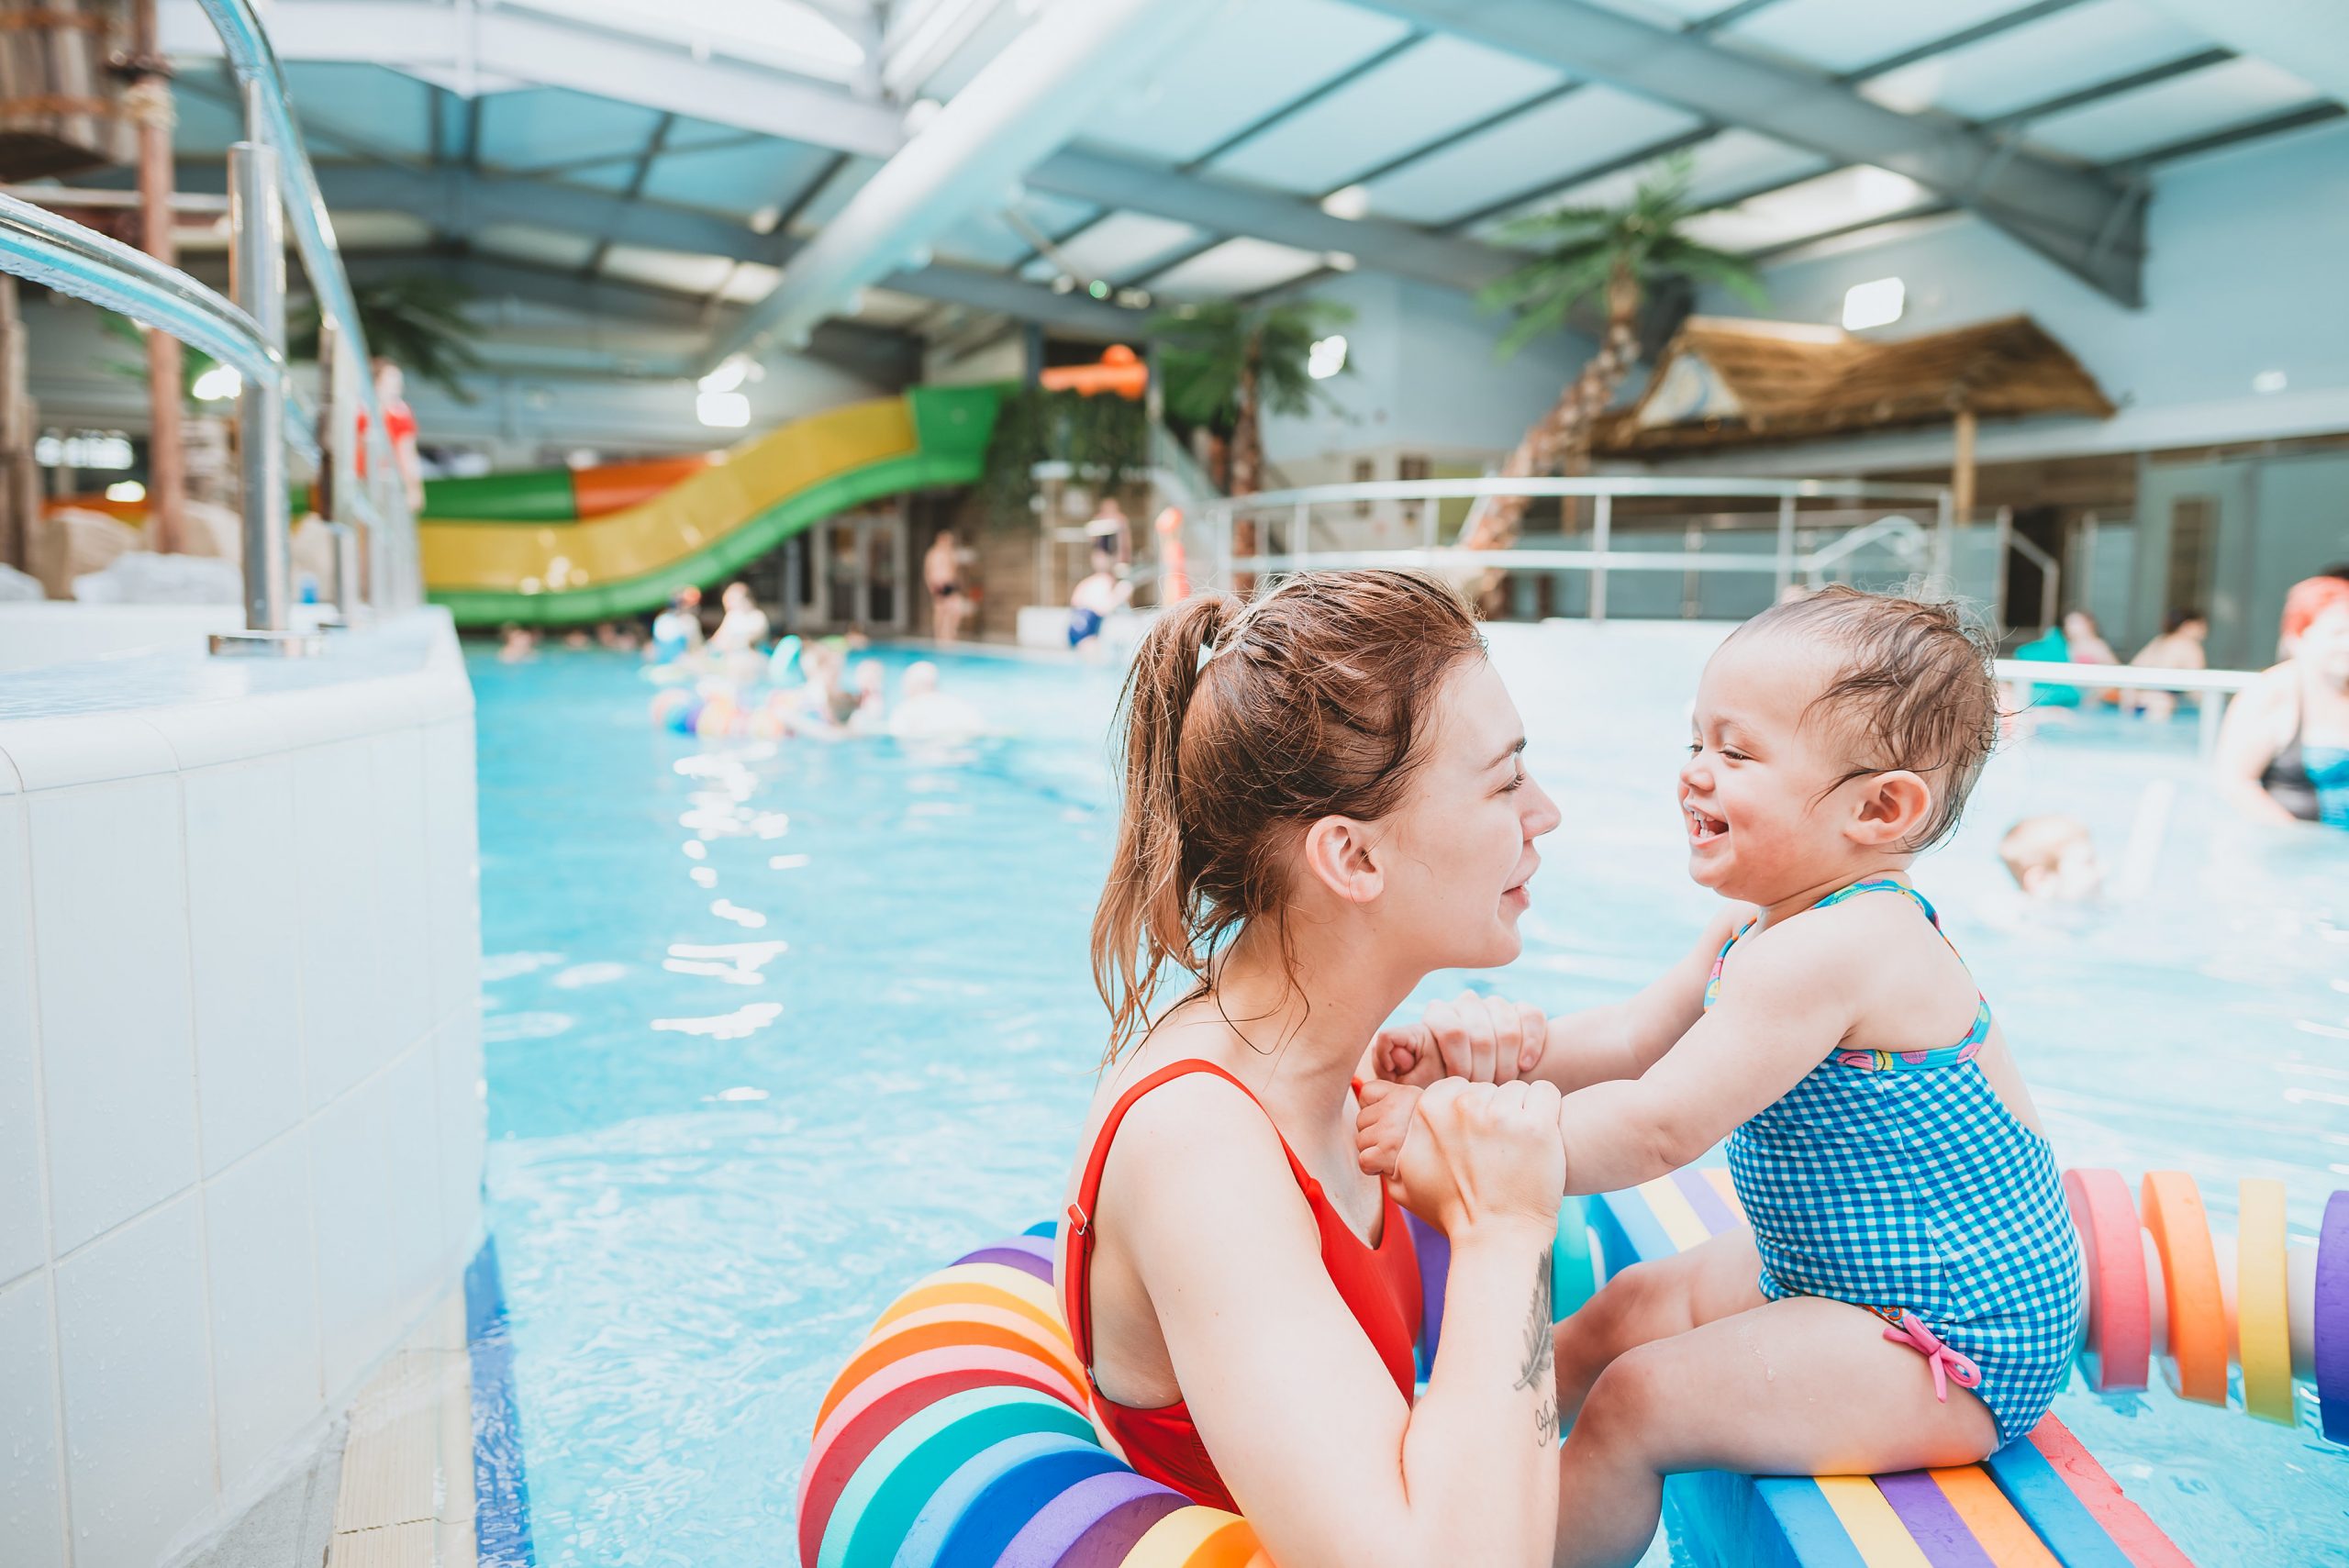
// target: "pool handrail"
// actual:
[[247, 335], [2217, 687], [1602, 491]]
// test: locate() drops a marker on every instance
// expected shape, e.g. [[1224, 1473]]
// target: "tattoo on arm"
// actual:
[[1538, 1370]]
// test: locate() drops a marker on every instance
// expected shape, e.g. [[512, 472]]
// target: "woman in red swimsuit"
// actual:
[[1324, 803]]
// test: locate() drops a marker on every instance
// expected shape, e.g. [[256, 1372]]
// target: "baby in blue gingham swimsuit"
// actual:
[[1907, 1290]]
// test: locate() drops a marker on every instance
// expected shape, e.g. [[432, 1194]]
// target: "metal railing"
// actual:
[[1292, 512], [273, 195], [2215, 687]]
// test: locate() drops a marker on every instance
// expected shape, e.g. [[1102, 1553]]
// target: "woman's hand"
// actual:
[[1471, 1154], [1486, 1039]]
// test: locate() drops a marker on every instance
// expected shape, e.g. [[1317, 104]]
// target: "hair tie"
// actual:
[[1207, 651]]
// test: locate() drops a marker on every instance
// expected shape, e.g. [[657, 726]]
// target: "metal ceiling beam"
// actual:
[[1024, 103], [494, 47], [458, 202], [1224, 208], [2086, 222]]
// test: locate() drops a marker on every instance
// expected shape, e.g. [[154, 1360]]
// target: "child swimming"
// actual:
[[1909, 1291]]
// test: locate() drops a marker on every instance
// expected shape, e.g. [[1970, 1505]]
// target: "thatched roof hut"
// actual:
[[1725, 382]]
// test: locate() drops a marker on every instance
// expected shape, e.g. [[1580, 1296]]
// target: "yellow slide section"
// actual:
[[714, 522]]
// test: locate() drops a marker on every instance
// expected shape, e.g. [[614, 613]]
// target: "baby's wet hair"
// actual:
[[1915, 690]]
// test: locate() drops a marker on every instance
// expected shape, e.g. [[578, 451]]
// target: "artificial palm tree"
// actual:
[[1226, 363], [416, 320], [1614, 255]]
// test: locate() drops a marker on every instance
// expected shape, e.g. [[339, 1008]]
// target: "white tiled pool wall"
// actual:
[[240, 1123]]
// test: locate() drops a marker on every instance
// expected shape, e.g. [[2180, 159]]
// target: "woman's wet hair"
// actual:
[[1240, 727], [1915, 690]]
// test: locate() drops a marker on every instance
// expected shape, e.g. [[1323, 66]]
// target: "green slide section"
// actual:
[[488, 573]]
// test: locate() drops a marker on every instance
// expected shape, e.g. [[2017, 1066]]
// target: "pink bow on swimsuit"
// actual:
[[1948, 1365]]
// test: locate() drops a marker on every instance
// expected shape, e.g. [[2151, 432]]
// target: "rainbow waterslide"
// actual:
[[561, 546]]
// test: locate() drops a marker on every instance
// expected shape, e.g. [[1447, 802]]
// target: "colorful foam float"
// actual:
[[957, 1436]]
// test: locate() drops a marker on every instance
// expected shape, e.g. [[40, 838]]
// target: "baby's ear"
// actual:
[[1894, 809]]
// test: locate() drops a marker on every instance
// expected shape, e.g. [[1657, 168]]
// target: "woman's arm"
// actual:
[[2248, 741], [1330, 1464]]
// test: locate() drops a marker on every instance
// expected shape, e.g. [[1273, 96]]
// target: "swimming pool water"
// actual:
[[772, 1029]]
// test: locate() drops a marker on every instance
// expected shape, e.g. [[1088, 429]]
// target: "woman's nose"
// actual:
[[1542, 813]]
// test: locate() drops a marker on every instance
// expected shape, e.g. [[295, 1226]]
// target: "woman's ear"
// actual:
[[1338, 855], [1894, 807]]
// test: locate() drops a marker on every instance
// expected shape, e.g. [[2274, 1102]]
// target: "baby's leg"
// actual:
[[1804, 1387], [1653, 1301]]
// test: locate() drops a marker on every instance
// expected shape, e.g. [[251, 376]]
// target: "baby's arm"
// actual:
[[1792, 1005], [1624, 1039], [1488, 1039]]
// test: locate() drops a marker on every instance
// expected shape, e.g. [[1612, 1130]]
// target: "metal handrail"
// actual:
[[246, 45], [1606, 484], [1859, 539], [2216, 687], [271, 182], [61, 254]]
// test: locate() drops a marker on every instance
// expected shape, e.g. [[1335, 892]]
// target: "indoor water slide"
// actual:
[[560, 545]]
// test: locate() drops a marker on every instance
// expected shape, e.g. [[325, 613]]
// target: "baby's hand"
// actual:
[[1384, 1122], [1486, 1039]]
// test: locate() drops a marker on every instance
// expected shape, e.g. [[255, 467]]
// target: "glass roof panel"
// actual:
[[1842, 36], [1245, 63], [1721, 167], [1237, 267], [1820, 206], [2175, 110], [1417, 98], [2074, 48], [781, 33], [1584, 128]]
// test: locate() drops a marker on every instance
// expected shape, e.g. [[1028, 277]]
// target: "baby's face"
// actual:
[[1759, 796]]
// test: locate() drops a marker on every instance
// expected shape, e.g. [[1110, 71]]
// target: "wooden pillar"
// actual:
[[1961, 470], [19, 479], [149, 101]]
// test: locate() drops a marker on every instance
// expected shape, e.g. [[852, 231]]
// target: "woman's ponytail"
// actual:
[[1143, 920]]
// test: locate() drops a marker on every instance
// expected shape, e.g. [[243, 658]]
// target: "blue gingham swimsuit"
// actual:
[[1898, 1182]]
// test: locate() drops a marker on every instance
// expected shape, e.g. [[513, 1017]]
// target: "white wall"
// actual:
[[240, 1116], [1425, 381], [2247, 252]]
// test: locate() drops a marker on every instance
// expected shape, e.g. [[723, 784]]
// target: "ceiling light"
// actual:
[[730, 374], [1875, 304], [1326, 357], [1134, 299], [723, 410], [2269, 381], [1097, 289], [218, 385], [1063, 283], [1348, 202], [126, 490], [763, 221]]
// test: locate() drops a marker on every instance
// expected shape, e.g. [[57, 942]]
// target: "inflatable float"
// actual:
[[956, 1436]]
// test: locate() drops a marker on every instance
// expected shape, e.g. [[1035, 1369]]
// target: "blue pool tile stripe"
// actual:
[[501, 1492]]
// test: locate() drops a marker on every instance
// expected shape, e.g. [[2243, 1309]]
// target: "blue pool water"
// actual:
[[772, 1029]]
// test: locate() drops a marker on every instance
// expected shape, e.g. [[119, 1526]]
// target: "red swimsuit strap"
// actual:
[[1079, 1303]]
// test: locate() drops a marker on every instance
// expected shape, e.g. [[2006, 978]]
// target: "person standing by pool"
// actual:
[[2179, 647], [2284, 749], [1243, 1299], [941, 573], [1094, 597], [676, 631]]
